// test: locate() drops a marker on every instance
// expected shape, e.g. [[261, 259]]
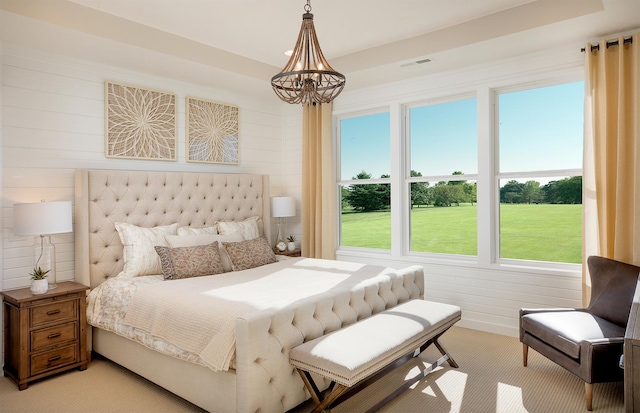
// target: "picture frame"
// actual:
[[212, 132], [139, 123]]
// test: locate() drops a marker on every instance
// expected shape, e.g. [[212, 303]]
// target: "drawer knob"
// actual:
[[54, 335], [54, 358], [52, 312]]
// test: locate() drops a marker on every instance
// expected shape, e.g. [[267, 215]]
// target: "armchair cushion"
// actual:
[[565, 330]]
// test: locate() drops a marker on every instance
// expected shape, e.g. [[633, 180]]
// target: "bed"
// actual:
[[258, 377]]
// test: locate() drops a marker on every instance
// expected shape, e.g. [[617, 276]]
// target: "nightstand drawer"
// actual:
[[53, 312], [53, 335], [53, 359]]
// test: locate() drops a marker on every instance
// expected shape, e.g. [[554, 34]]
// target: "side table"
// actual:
[[295, 253], [44, 334]]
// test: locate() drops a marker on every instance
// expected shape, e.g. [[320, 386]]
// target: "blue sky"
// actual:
[[540, 129]]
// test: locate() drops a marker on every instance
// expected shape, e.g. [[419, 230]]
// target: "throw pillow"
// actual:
[[139, 256], [250, 253], [187, 262], [248, 228]]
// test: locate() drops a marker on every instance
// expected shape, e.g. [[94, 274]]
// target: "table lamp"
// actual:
[[282, 207], [42, 219]]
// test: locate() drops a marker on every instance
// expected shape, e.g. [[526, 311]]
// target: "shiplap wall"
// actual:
[[489, 292], [53, 123]]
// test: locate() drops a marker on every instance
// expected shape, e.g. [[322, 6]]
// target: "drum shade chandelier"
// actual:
[[308, 78]]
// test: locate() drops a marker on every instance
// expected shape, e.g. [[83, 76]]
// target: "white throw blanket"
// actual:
[[199, 314]]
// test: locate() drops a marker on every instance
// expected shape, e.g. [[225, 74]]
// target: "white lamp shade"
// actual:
[[283, 206], [42, 218]]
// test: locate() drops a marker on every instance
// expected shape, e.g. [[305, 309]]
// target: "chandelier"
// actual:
[[307, 78]]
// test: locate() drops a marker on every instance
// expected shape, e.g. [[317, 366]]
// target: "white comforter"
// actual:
[[194, 318]]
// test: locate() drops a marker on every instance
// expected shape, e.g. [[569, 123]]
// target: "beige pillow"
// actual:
[[250, 253], [248, 228], [175, 241], [197, 231], [140, 258], [187, 262]]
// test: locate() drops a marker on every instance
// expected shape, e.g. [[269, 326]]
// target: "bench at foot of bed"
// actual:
[[357, 355]]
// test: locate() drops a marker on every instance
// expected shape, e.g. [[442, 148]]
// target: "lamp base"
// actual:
[[44, 257]]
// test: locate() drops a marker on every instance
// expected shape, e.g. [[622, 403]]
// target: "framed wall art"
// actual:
[[140, 123], [212, 132]]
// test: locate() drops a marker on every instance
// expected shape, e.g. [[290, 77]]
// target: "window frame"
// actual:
[[408, 179], [340, 183], [499, 175]]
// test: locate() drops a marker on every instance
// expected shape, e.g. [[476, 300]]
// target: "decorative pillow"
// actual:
[[193, 240], [248, 228], [197, 231], [139, 255], [250, 253], [187, 262]]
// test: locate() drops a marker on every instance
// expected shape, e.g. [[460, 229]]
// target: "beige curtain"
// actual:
[[318, 183], [611, 172]]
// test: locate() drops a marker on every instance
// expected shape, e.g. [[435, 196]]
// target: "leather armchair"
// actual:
[[586, 341]]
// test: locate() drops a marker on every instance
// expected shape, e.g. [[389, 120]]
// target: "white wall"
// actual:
[[489, 292], [53, 123]]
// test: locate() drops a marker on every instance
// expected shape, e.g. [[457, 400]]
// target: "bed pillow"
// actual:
[[250, 253], [139, 256], [248, 228], [197, 231], [187, 262], [175, 241]]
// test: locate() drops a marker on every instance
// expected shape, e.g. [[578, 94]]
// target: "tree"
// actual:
[[368, 197], [420, 194], [470, 192], [511, 192], [344, 193], [531, 192], [446, 195], [564, 191], [457, 182]]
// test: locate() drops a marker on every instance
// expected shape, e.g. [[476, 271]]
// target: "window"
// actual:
[[524, 167], [443, 148], [364, 184], [539, 173]]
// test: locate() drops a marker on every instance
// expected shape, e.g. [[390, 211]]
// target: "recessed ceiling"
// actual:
[[368, 40]]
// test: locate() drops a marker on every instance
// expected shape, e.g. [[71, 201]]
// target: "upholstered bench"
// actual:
[[355, 356]]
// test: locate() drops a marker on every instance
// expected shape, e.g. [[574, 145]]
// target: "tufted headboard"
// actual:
[[149, 199]]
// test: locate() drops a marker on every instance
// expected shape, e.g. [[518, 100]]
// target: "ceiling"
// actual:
[[223, 42]]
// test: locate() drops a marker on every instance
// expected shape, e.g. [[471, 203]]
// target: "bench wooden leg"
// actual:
[[444, 352], [322, 403], [340, 393], [525, 354]]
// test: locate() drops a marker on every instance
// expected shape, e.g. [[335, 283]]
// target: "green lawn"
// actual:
[[532, 232]]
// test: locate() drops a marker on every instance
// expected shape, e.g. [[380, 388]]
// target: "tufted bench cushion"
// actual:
[[352, 354]]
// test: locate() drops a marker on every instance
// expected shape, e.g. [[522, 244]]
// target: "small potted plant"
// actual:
[[291, 243], [39, 283]]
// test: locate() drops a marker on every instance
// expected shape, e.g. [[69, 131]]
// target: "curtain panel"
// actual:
[[318, 182], [611, 170]]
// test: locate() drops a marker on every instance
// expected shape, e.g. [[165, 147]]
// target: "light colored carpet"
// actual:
[[491, 378]]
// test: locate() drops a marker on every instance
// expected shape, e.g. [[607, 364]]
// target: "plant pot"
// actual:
[[39, 286], [291, 246]]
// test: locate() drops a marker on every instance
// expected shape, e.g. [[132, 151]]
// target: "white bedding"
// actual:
[[167, 313]]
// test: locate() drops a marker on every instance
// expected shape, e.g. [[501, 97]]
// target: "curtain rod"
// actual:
[[611, 43]]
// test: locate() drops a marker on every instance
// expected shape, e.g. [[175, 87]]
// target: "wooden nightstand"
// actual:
[[294, 253], [44, 334]]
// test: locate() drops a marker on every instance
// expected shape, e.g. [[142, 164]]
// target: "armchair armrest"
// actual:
[[600, 359]]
